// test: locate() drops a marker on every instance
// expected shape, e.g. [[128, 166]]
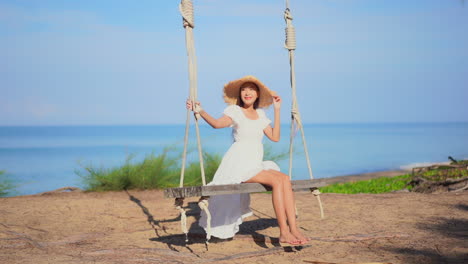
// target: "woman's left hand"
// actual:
[[276, 101]]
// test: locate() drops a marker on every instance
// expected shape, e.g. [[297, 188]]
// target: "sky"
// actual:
[[115, 62]]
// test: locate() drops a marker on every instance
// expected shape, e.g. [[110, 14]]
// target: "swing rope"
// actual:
[[290, 45], [186, 10]]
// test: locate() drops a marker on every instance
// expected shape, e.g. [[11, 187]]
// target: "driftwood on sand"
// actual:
[[440, 178], [61, 190], [321, 262]]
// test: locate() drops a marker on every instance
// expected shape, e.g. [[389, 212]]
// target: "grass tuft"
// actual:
[[378, 185], [154, 172], [389, 184], [6, 186]]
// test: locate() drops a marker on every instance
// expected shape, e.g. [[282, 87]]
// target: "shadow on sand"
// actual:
[[448, 227], [197, 234]]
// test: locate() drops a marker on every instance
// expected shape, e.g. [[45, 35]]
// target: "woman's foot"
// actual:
[[299, 236], [289, 239]]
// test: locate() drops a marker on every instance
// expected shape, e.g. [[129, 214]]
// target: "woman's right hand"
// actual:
[[188, 104], [197, 108]]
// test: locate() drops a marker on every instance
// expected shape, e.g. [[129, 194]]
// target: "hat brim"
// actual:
[[232, 91]]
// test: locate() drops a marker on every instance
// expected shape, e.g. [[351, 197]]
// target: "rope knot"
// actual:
[[296, 116], [179, 202], [186, 9], [290, 42], [203, 203], [287, 15]]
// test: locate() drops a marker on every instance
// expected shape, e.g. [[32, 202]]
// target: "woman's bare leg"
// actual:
[[290, 206], [276, 182]]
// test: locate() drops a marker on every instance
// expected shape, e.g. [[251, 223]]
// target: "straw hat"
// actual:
[[232, 91]]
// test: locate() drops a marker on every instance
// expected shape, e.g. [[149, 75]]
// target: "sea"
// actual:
[[43, 158]]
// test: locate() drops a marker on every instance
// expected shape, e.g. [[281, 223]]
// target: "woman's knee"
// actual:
[[283, 177], [268, 178], [276, 180]]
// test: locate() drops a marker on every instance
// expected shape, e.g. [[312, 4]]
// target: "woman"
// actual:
[[243, 162]]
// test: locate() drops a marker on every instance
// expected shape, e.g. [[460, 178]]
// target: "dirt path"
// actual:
[[143, 227]]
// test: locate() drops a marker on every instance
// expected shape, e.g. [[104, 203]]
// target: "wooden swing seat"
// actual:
[[210, 190], [297, 185]]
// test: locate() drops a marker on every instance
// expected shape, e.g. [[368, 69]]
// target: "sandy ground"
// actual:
[[143, 227]]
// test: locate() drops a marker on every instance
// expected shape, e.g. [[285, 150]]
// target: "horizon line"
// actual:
[[204, 124]]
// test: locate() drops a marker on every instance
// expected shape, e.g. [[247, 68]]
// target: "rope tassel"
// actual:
[[179, 202], [317, 193], [203, 204]]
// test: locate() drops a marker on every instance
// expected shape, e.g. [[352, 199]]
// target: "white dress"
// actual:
[[242, 161]]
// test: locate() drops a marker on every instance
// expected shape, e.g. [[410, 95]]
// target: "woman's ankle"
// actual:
[[295, 232], [285, 232]]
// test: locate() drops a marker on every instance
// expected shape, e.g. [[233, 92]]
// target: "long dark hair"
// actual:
[[257, 101]]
